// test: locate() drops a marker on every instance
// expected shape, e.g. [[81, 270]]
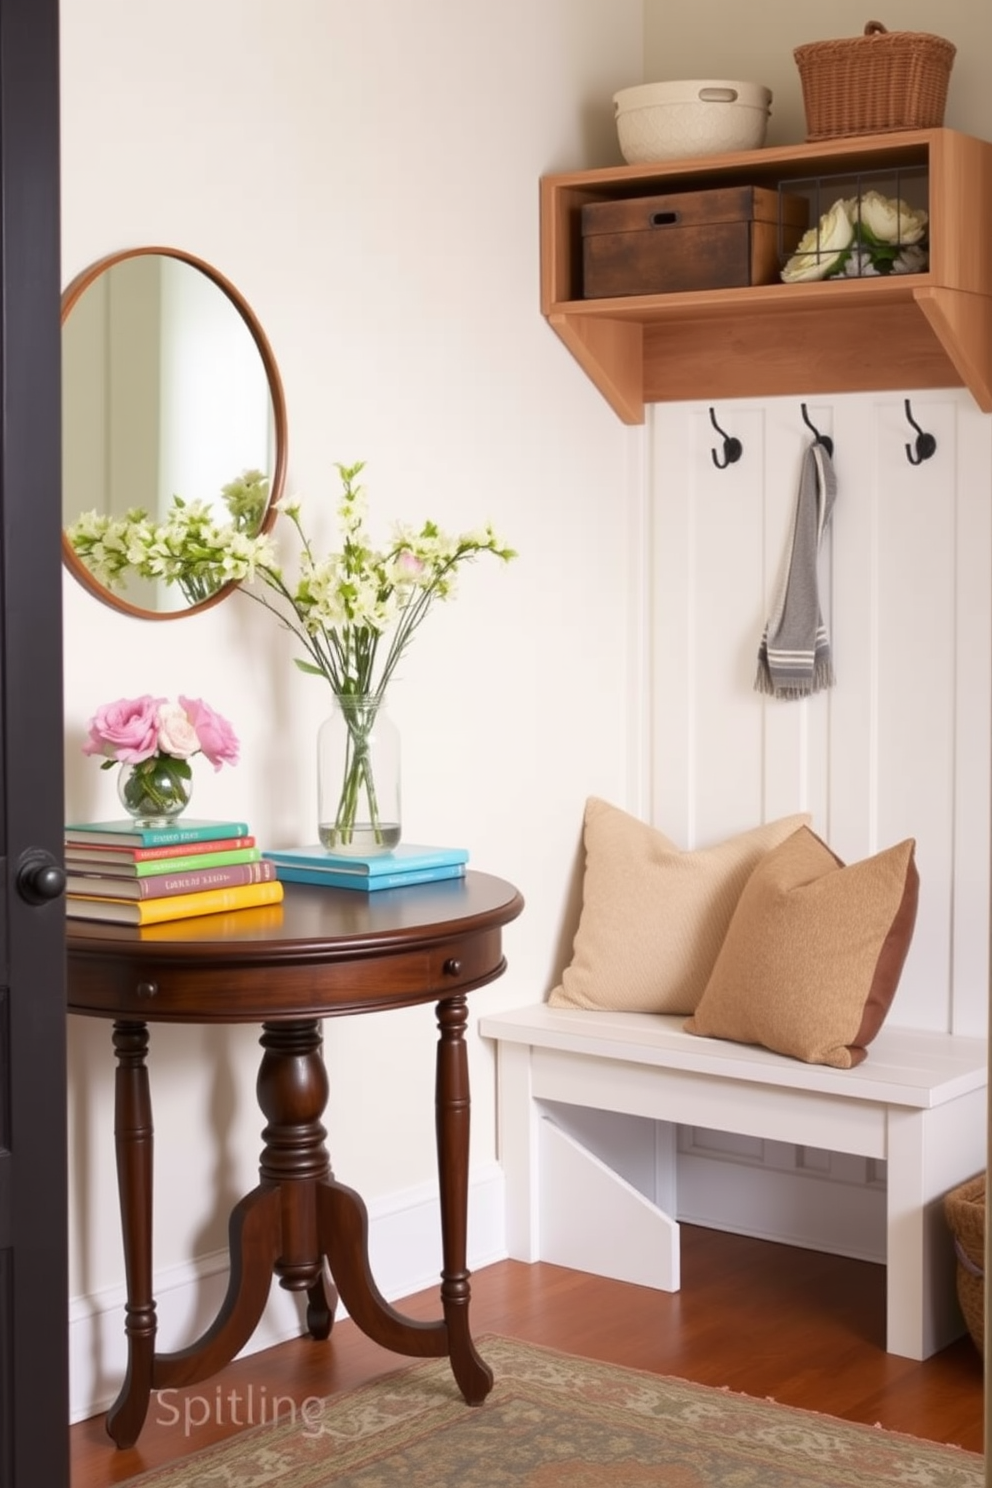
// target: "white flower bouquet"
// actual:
[[860, 236], [353, 611]]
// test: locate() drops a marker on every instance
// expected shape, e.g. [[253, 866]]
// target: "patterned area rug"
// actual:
[[553, 1421]]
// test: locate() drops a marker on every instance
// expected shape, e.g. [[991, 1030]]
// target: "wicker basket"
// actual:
[[874, 84], [964, 1209]]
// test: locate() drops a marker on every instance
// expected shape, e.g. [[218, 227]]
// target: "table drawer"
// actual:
[[147, 988]]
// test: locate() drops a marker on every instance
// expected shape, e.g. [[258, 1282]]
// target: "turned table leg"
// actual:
[[292, 1094], [133, 1132], [343, 1226], [297, 1215], [274, 1228], [474, 1377]]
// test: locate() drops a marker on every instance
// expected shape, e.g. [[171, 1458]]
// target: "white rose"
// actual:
[[891, 221], [176, 735], [821, 247]]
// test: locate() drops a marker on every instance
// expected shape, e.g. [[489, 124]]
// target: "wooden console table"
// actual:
[[320, 954]]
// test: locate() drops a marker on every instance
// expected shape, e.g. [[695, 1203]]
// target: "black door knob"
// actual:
[[39, 877]]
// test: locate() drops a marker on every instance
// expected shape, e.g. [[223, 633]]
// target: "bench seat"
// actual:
[[918, 1103]]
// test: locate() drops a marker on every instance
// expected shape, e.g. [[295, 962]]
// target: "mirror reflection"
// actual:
[[169, 388]]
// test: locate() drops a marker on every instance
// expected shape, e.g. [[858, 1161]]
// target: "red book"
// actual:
[[162, 885]]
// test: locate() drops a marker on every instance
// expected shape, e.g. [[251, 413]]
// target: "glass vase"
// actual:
[[155, 791], [358, 778]]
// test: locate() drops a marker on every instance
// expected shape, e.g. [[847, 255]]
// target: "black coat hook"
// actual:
[[732, 448], [818, 438], [926, 445]]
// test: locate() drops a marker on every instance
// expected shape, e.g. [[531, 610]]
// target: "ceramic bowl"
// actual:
[[663, 121]]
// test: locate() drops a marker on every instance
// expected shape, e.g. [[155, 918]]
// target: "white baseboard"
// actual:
[[805, 1209], [405, 1254]]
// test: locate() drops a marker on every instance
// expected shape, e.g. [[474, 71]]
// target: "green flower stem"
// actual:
[[358, 772], [157, 786]]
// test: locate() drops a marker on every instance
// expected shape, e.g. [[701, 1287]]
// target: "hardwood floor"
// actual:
[[803, 1328]]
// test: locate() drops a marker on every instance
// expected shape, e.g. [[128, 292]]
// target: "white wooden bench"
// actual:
[[918, 1102]]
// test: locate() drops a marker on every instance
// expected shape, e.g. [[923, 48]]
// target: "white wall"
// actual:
[[696, 41], [366, 175]]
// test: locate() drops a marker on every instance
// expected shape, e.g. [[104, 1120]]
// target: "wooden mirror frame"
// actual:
[[70, 296]]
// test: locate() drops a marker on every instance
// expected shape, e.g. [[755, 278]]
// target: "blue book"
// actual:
[[129, 834], [402, 859], [365, 883]]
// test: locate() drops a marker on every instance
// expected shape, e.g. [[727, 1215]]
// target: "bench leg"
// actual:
[[518, 1150], [592, 1219], [929, 1153], [565, 1206]]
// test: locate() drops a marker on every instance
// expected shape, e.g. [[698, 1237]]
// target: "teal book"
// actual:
[[403, 859], [129, 834], [367, 883]]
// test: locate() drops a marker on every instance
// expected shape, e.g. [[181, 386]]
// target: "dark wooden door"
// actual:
[[33, 1251]]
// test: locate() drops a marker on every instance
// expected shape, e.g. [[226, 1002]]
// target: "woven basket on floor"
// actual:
[[964, 1208], [876, 83]]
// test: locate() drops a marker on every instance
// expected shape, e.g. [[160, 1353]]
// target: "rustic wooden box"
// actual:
[[725, 238]]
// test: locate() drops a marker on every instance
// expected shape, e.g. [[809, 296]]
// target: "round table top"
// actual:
[[320, 952]]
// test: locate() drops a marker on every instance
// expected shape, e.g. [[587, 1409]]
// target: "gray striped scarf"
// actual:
[[794, 656]]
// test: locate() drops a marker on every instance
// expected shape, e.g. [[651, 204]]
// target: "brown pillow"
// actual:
[[654, 917], [814, 952]]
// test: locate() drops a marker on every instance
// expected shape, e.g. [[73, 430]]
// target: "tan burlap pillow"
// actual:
[[654, 917], [814, 952]]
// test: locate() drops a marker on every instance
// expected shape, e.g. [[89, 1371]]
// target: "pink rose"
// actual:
[[126, 730], [176, 734], [217, 738]]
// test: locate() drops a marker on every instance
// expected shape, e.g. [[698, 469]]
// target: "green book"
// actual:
[[129, 834]]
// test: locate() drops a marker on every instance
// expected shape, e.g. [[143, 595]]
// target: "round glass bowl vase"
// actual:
[[156, 790]]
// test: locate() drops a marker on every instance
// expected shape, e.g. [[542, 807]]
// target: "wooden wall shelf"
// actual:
[[925, 330]]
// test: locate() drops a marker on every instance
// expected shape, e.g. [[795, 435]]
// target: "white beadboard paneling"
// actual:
[[916, 668], [972, 451], [900, 746], [672, 657], [852, 764], [641, 577], [725, 509]]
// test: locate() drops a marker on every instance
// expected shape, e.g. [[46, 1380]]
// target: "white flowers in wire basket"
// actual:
[[860, 236]]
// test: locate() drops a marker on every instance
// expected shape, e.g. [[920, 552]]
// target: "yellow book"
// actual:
[[172, 906]]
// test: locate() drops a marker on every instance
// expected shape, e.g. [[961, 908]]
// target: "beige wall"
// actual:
[[366, 176], [722, 39]]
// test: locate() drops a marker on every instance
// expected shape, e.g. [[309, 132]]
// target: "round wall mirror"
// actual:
[[169, 388]]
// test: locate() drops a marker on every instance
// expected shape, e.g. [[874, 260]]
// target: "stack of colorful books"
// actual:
[[131, 875], [407, 864]]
